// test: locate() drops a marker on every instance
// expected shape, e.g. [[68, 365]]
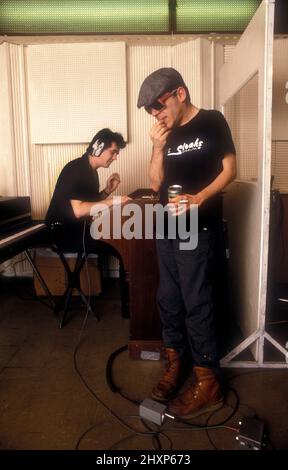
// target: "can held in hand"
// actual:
[[174, 191]]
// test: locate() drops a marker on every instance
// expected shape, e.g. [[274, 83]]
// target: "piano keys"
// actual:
[[19, 233], [16, 241], [17, 229]]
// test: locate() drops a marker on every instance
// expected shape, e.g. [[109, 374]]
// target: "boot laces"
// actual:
[[171, 368]]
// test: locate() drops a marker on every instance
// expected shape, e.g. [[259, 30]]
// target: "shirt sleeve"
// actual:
[[225, 136], [71, 184]]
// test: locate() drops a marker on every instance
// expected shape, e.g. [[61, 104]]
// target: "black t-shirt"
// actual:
[[193, 159], [77, 181]]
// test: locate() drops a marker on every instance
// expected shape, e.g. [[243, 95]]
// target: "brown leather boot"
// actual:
[[204, 395], [172, 379]]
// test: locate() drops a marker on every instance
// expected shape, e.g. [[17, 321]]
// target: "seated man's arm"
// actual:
[[83, 209], [112, 183]]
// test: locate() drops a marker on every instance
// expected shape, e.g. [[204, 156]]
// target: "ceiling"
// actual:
[[125, 16]]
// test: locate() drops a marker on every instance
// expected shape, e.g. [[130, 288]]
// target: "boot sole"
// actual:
[[208, 409], [165, 400], [162, 400]]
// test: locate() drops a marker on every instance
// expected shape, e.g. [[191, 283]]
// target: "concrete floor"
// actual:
[[45, 405]]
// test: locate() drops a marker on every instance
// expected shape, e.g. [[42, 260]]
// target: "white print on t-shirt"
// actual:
[[186, 147]]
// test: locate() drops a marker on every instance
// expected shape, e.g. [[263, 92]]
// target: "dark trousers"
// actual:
[[185, 298], [77, 238]]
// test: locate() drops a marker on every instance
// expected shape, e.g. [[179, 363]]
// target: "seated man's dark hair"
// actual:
[[107, 137]]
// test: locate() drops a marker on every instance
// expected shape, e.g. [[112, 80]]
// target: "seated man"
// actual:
[[77, 190]]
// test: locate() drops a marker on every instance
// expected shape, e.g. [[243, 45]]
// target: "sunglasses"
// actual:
[[159, 104]]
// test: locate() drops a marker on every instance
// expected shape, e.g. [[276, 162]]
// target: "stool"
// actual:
[[73, 278]]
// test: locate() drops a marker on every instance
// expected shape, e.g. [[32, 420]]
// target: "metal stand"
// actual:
[[258, 335], [40, 278], [73, 283]]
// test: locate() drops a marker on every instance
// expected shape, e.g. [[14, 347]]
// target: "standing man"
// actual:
[[77, 189], [193, 148]]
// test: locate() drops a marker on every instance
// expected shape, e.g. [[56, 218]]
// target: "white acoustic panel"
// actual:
[[241, 112], [75, 90], [252, 57], [280, 90], [20, 124], [7, 166], [135, 158], [228, 52], [280, 166], [47, 160], [186, 58]]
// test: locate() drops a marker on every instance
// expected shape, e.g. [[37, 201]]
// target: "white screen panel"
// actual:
[[280, 166], [75, 90], [252, 56], [241, 112], [280, 90]]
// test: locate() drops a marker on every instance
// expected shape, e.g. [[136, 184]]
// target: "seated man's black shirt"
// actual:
[[76, 181]]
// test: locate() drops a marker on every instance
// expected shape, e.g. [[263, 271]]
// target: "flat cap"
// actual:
[[157, 83]]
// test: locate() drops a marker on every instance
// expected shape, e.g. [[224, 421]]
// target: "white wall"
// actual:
[[46, 160], [7, 166], [280, 90], [247, 168], [42, 163], [280, 116], [31, 167], [74, 89]]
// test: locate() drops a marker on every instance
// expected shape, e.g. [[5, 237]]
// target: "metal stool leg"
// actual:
[[73, 283], [66, 307], [87, 305], [61, 301]]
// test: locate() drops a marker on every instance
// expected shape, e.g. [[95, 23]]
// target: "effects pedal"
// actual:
[[251, 434]]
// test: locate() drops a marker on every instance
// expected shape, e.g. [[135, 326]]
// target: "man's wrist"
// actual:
[[106, 192], [204, 194], [158, 150]]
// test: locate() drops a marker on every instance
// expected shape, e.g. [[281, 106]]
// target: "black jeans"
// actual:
[[185, 298]]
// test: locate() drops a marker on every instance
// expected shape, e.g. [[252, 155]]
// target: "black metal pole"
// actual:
[[172, 16]]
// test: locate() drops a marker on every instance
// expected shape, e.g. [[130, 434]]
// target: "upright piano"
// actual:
[[141, 277], [19, 233]]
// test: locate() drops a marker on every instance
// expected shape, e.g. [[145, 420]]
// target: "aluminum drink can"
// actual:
[[174, 191]]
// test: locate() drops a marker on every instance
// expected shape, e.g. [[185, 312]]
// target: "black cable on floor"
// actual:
[[234, 411], [156, 439], [110, 367], [109, 375], [206, 427], [124, 439], [101, 402], [115, 389], [83, 435]]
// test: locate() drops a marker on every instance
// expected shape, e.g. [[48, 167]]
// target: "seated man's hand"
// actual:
[[103, 208], [117, 200], [125, 199], [112, 183]]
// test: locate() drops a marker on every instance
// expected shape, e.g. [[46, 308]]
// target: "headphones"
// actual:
[[97, 148]]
